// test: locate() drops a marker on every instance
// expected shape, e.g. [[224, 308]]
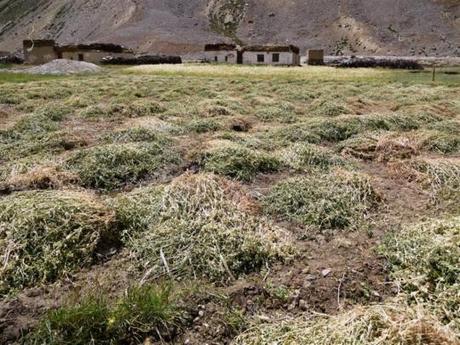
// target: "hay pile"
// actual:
[[111, 166], [198, 226], [64, 67], [425, 262], [335, 201], [305, 157], [388, 324], [47, 234], [238, 162]]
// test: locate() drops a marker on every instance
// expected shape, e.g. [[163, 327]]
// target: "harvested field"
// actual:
[[201, 204]]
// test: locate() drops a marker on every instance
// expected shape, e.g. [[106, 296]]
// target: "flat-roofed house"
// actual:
[[271, 55], [43, 51], [222, 52]]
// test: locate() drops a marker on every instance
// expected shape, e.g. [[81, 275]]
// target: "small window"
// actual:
[[276, 57], [226, 59], [81, 57], [260, 58], [216, 59]]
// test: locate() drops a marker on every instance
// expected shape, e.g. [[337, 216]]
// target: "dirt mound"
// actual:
[[63, 66]]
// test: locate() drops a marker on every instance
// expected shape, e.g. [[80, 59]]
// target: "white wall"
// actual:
[[221, 55], [286, 58]]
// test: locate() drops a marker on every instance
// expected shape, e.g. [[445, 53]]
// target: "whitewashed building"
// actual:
[[271, 55], [222, 52]]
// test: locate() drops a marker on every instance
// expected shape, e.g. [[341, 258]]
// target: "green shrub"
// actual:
[[143, 312], [47, 234], [337, 201], [195, 227], [239, 162], [425, 262], [111, 166]]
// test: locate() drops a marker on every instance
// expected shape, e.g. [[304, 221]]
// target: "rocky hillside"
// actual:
[[406, 27]]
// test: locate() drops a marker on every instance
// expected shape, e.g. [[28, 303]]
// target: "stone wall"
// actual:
[[93, 56], [38, 55]]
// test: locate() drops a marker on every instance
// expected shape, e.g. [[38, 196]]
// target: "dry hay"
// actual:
[[304, 157], [198, 226], [40, 177], [338, 200], [47, 234], [388, 324], [440, 177], [425, 262]]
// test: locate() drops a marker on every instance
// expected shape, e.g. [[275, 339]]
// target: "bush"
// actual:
[[111, 166], [425, 262], [335, 201], [143, 312], [47, 234], [197, 227], [239, 162], [387, 324]]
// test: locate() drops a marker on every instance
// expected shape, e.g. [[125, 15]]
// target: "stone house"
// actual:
[[222, 52], [253, 55], [271, 55], [43, 51]]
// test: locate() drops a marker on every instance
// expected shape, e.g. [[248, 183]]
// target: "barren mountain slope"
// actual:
[[176, 26]]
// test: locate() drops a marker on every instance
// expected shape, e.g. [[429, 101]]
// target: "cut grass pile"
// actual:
[[325, 107], [47, 234], [343, 127], [238, 162], [387, 324], [336, 201], [197, 227], [130, 110], [146, 311], [111, 166], [440, 177], [137, 134], [305, 157], [425, 262]]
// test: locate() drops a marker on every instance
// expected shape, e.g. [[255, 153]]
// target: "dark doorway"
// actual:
[[81, 57], [59, 55], [239, 58]]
